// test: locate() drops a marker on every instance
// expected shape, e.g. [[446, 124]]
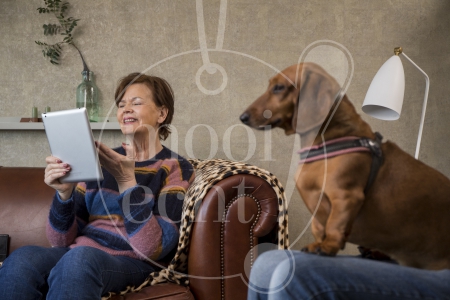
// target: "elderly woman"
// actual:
[[113, 235]]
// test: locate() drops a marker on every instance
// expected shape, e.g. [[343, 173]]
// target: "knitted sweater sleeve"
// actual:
[[152, 211], [67, 218]]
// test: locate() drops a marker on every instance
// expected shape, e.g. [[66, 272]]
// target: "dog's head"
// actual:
[[297, 100]]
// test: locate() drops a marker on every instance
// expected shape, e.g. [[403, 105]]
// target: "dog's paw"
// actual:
[[320, 249]]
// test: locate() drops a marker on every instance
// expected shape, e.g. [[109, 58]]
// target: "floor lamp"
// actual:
[[384, 99]]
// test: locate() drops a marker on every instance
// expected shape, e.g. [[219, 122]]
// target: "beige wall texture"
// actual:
[[249, 41]]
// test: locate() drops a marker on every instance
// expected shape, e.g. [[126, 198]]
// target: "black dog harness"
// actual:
[[345, 145]]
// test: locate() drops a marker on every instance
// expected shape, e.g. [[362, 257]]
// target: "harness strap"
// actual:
[[345, 145]]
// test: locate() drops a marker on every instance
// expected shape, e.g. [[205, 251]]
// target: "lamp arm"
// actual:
[[424, 106]]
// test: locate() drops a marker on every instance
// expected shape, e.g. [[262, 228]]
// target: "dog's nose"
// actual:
[[244, 118]]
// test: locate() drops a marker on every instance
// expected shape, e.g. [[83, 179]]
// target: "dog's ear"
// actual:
[[317, 93]]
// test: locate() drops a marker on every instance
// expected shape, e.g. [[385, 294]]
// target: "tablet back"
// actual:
[[70, 137]]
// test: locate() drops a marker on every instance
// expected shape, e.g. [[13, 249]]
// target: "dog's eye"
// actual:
[[278, 88]]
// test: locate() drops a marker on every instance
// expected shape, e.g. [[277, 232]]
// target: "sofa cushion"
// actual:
[[160, 291]]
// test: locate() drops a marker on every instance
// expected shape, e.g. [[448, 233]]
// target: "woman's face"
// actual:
[[137, 112]]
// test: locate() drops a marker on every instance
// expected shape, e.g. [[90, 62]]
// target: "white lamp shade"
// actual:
[[384, 99]]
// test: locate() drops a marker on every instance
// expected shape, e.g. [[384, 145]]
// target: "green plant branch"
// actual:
[[85, 67], [65, 27]]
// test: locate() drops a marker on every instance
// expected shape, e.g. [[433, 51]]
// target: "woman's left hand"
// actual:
[[120, 166]]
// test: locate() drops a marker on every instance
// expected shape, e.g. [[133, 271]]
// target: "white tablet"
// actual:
[[70, 137]]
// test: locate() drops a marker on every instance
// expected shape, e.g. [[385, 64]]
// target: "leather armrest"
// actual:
[[233, 215]]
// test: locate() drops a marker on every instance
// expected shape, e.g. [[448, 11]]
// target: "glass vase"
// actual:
[[87, 95]]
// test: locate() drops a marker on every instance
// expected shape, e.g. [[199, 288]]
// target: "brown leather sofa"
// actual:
[[217, 253]]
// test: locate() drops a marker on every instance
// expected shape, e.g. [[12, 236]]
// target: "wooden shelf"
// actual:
[[13, 123]]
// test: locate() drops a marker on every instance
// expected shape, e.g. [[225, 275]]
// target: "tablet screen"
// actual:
[[70, 137]]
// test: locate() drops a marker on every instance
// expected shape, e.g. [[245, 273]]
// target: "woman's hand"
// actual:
[[53, 172], [120, 166]]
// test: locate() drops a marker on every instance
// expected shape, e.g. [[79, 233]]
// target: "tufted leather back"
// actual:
[[24, 205]]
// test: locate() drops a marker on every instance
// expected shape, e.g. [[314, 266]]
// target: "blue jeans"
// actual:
[[297, 275], [33, 272]]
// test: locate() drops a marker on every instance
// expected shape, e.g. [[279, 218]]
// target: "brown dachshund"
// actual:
[[406, 211]]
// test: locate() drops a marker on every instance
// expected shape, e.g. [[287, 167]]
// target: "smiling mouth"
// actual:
[[129, 120]]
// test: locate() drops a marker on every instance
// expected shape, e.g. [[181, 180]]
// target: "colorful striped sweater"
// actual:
[[141, 223]]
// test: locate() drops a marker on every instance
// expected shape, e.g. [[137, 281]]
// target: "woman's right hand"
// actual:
[[53, 172]]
